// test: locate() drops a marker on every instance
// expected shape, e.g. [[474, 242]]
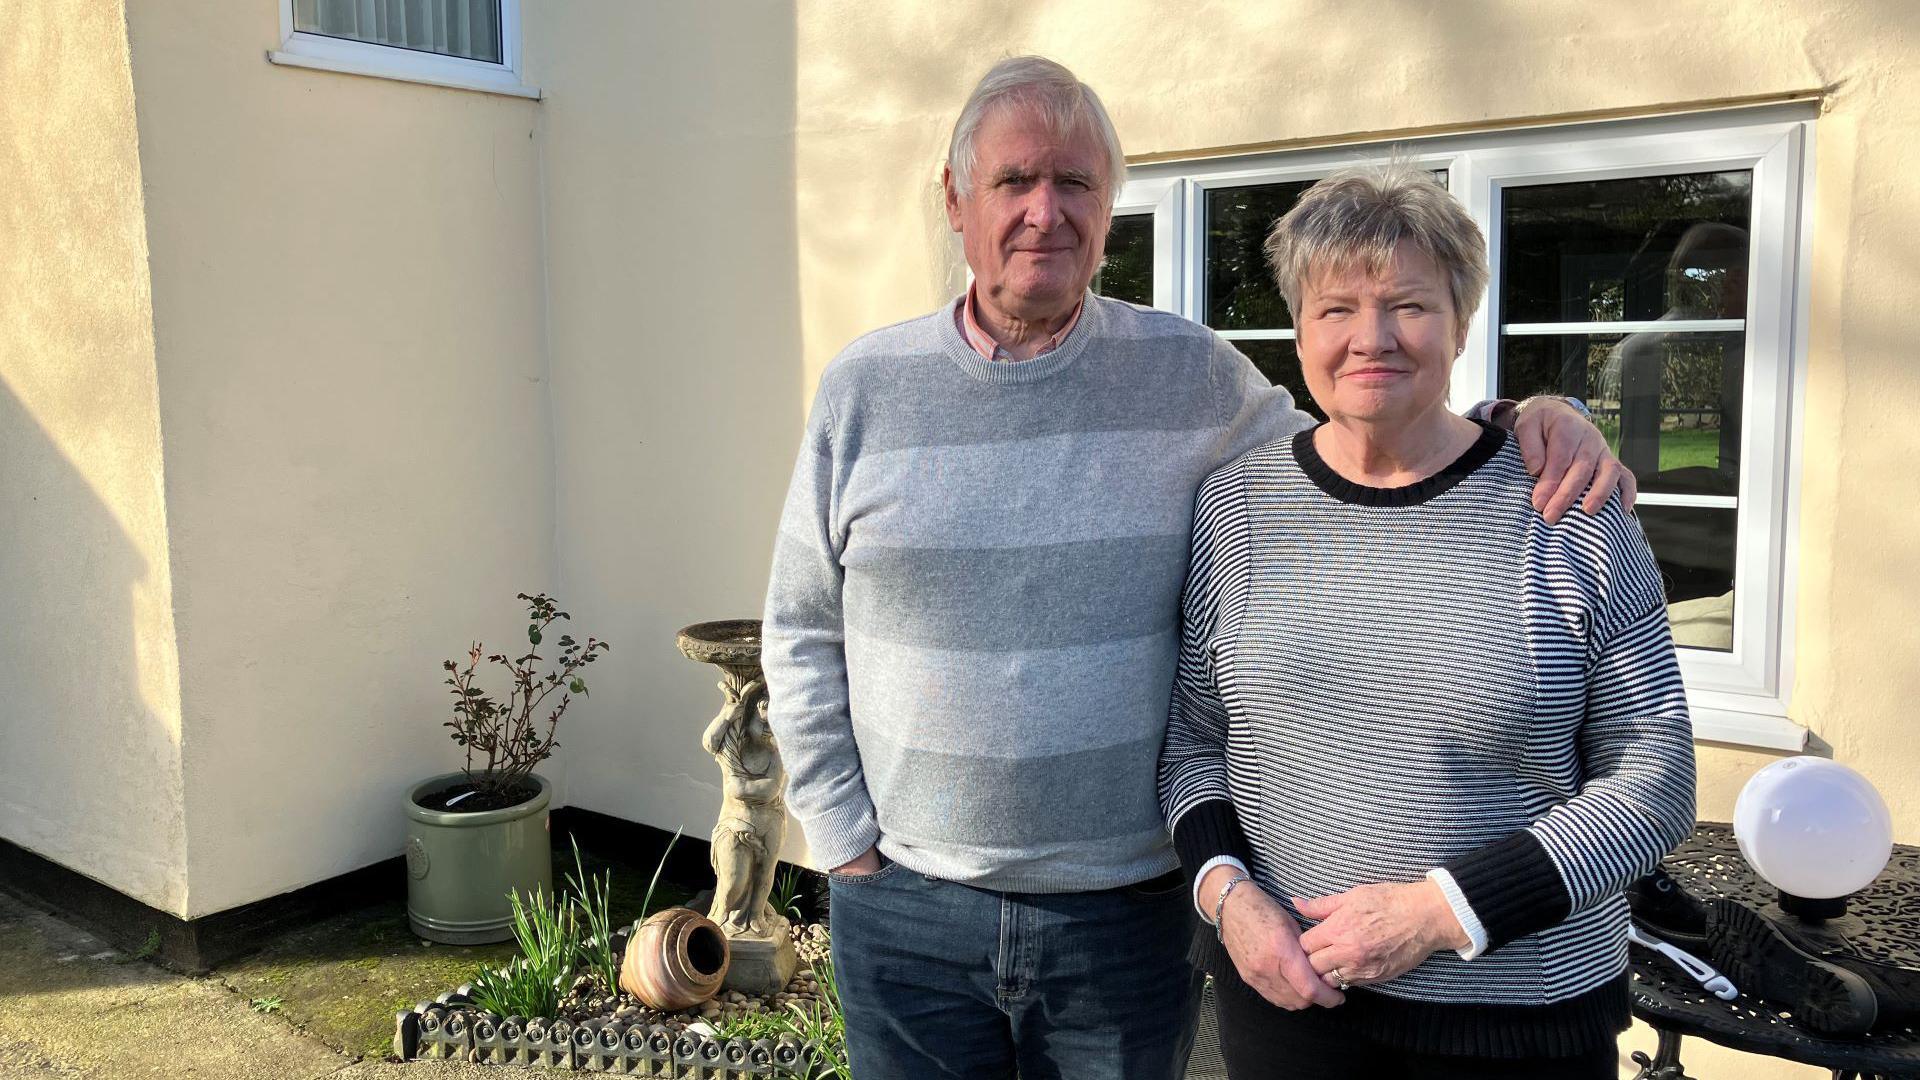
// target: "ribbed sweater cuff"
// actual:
[[1513, 886], [842, 834], [1207, 830]]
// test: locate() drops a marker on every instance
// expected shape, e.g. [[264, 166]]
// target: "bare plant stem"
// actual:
[[509, 733]]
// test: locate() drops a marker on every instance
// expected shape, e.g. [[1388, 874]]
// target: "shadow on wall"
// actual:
[[675, 351], [90, 775], [1870, 646]]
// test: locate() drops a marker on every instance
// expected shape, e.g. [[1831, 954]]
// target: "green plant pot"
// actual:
[[461, 867]]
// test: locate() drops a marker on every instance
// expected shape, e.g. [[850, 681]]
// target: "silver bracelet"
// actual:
[[1220, 906]]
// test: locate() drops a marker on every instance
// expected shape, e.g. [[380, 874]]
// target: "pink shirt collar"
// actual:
[[989, 349]]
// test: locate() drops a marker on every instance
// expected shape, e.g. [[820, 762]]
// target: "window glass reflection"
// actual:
[[1240, 290], [1645, 247], [465, 28], [1126, 273], [1695, 548], [1653, 249], [1669, 403]]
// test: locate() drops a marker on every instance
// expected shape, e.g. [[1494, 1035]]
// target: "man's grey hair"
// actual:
[[1355, 218], [1065, 104]]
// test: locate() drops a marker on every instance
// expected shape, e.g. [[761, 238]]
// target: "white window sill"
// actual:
[[482, 82], [1766, 731]]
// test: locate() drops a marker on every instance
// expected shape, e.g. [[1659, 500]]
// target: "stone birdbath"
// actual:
[[753, 811]]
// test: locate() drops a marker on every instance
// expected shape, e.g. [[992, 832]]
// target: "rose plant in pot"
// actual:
[[477, 836]]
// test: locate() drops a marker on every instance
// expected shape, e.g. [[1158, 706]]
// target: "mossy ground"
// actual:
[[342, 980]]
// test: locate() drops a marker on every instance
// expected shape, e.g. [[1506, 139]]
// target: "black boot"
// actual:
[[1896, 987], [1816, 973], [1668, 912]]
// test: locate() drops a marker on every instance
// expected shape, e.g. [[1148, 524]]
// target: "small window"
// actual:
[[469, 29], [465, 44]]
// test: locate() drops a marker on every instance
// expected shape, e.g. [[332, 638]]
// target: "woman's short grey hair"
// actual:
[[1355, 218], [1065, 104]]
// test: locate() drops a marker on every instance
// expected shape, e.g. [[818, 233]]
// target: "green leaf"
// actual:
[[533, 634], [577, 686]]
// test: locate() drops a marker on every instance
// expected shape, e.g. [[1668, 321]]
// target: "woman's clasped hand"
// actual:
[[1264, 942], [1372, 933], [1368, 934]]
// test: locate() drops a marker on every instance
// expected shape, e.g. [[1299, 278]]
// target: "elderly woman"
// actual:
[[1409, 712]]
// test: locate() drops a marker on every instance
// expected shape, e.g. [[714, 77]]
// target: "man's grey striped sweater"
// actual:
[[972, 620]]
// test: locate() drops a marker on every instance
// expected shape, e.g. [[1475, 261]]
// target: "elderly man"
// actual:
[[971, 625]]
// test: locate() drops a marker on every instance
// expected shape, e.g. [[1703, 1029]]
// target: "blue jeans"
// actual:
[[945, 980]]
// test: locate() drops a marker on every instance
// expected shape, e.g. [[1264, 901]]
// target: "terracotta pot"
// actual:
[[675, 960]]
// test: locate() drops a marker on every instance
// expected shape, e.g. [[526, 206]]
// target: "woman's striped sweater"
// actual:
[[1377, 682]]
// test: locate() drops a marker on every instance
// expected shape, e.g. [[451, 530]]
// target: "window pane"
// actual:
[[464, 28], [1670, 405], [1127, 271], [1694, 546], [1240, 292], [1280, 363], [1645, 247]]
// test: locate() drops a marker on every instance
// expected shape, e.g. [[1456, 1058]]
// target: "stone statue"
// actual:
[[753, 810], [753, 813]]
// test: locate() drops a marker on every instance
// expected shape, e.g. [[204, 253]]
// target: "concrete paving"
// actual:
[[72, 1008]]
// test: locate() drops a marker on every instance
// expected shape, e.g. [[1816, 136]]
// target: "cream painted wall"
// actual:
[[878, 89], [91, 771], [347, 346], [349, 314], [667, 133]]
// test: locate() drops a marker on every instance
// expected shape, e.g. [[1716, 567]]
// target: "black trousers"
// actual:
[[1261, 1042]]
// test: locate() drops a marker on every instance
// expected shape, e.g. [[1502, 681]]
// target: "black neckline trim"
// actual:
[[1311, 463]]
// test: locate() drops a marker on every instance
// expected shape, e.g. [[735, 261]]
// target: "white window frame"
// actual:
[[1163, 200], [1738, 696], [299, 48]]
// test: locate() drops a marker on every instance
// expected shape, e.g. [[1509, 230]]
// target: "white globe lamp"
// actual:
[[1816, 830]]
